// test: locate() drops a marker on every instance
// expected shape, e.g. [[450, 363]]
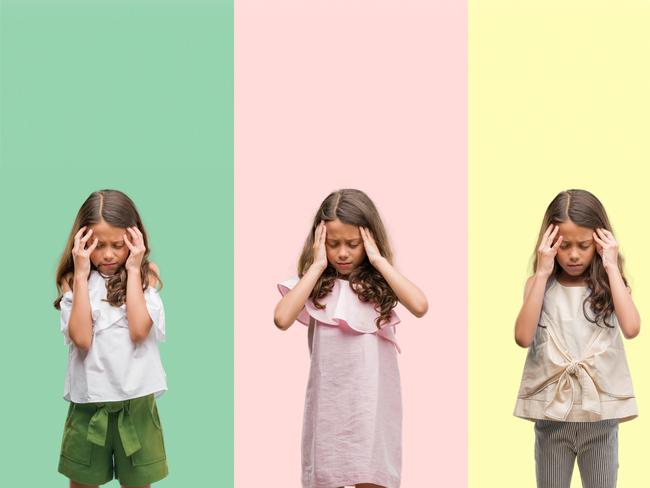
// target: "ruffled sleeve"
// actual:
[[344, 309], [284, 287], [156, 312], [66, 309]]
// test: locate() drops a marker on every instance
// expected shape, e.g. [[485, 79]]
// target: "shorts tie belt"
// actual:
[[98, 425]]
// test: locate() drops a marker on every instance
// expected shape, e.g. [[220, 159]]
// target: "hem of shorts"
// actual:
[[146, 480], [621, 410], [156, 392], [71, 474], [352, 480]]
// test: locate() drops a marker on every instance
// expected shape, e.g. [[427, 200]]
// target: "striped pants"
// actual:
[[558, 444]]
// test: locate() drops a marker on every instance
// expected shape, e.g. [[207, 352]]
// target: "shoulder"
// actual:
[[65, 283], [531, 281], [154, 275]]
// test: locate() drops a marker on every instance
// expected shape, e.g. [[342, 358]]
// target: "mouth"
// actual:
[[108, 265], [574, 267], [344, 265]]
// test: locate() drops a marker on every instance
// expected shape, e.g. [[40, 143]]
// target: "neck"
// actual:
[[568, 280]]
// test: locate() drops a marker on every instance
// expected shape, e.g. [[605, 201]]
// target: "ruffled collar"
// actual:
[[343, 308]]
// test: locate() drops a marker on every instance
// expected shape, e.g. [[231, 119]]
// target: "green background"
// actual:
[[136, 96]]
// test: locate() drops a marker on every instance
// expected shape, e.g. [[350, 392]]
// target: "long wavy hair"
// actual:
[[352, 207], [585, 210], [118, 210]]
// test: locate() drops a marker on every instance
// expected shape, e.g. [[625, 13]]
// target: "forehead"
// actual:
[[106, 232], [337, 230], [572, 232]]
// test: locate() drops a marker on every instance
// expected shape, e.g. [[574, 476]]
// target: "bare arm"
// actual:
[[289, 307], [528, 318], [407, 293], [137, 314], [628, 316], [80, 324], [626, 312]]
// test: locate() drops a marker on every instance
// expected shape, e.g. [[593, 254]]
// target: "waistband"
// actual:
[[98, 425]]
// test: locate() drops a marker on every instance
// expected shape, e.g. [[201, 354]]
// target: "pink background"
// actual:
[[365, 94]]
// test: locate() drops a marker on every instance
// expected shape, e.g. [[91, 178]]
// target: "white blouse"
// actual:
[[114, 368]]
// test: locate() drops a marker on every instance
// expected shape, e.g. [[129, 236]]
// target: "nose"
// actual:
[[343, 253], [574, 254], [108, 254]]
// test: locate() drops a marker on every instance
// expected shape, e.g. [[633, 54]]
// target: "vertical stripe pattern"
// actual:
[[593, 444]]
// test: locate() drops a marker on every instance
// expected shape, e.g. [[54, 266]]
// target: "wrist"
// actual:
[[317, 269], [543, 275], [132, 270], [611, 268], [80, 278], [379, 262]]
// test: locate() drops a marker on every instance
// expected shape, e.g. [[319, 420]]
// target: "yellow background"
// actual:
[[559, 97]]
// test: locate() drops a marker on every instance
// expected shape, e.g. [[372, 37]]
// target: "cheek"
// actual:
[[331, 253], [360, 253], [122, 254]]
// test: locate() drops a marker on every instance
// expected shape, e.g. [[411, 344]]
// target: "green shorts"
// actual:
[[114, 439]]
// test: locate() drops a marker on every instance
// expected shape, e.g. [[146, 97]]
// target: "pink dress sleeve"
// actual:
[[344, 309]]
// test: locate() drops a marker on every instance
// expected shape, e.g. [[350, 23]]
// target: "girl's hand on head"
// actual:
[[81, 253], [607, 247], [372, 251], [137, 248], [547, 251], [318, 249]]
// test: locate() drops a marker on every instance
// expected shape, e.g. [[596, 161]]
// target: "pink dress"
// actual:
[[352, 425]]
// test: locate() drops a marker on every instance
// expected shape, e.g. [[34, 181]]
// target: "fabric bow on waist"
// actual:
[[98, 426], [574, 374], [571, 373]]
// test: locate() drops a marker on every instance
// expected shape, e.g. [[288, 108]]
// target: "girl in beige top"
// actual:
[[576, 383]]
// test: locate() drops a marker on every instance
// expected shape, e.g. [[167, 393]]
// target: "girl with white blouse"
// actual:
[[112, 319]]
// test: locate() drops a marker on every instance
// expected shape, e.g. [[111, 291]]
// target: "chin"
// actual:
[[574, 274]]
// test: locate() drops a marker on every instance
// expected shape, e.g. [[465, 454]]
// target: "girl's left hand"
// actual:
[[372, 251], [137, 248], [607, 247]]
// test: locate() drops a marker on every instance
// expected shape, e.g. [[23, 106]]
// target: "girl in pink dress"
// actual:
[[345, 293]]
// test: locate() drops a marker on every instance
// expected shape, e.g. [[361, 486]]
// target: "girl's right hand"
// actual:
[[547, 251], [318, 249], [81, 254]]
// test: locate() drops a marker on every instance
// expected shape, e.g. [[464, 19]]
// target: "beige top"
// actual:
[[575, 371]]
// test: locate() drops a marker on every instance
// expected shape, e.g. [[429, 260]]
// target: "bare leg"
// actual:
[[74, 484]]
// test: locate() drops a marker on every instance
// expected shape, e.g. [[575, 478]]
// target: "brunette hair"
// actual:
[[585, 210], [118, 210], [352, 207]]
